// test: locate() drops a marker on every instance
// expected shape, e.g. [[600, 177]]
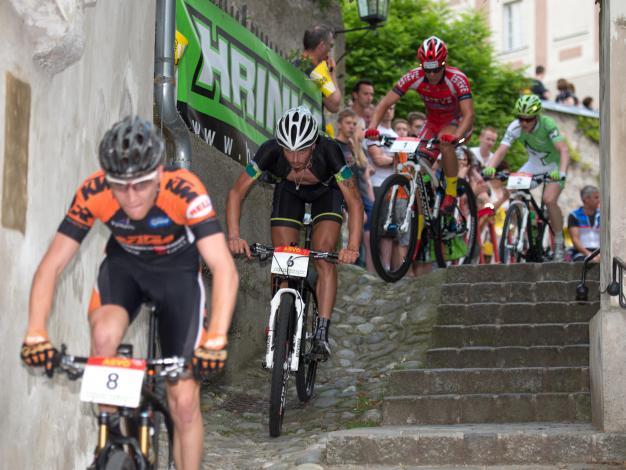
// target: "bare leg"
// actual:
[[183, 398]]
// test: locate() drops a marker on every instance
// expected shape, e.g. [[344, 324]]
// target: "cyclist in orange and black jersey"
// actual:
[[160, 221]]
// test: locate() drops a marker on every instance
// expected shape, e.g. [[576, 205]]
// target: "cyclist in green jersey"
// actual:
[[547, 153]]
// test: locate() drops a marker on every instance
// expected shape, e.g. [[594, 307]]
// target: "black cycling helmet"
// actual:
[[132, 147]]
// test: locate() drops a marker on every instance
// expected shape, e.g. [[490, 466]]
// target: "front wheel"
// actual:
[[512, 237], [118, 460], [307, 366], [393, 232], [281, 367]]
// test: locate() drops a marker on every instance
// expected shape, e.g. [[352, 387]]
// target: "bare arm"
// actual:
[[379, 157], [332, 102], [467, 120], [498, 156], [575, 234], [390, 98], [214, 252], [235, 197], [564, 151], [59, 254], [355, 220]]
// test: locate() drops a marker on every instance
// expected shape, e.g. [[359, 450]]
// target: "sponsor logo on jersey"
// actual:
[[408, 79], [153, 240], [156, 222], [553, 133], [182, 188], [199, 207], [123, 224], [460, 83], [81, 212], [93, 187]]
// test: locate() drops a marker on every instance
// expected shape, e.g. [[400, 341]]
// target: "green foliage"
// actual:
[[386, 54], [589, 127]]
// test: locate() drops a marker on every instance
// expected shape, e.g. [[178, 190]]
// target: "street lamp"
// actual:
[[372, 12]]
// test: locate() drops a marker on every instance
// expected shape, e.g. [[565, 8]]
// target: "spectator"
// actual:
[[416, 122], [362, 99], [584, 225], [382, 158], [564, 96], [316, 62], [486, 141], [588, 103], [538, 88], [572, 89], [401, 127]]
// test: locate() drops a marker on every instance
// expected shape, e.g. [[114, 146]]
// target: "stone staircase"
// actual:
[[507, 381]]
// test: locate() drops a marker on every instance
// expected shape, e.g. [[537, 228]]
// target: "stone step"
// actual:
[[510, 356], [525, 272], [502, 292], [476, 381], [494, 445], [487, 408], [541, 334], [520, 312]]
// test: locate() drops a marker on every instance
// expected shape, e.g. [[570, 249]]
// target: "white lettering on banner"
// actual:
[[196, 127], [235, 73], [214, 61], [228, 145], [209, 135]]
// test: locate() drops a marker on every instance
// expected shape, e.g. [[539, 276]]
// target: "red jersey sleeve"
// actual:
[[461, 84], [408, 81], [93, 200]]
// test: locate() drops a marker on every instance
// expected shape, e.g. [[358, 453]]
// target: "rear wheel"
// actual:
[[512, 236], [280, 369], [393, 232], [307, 366]]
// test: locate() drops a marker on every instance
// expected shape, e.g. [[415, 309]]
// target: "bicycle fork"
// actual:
[[297, 335]]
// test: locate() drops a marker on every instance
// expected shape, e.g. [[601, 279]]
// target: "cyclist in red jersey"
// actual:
[[160, 221], [449, 108]]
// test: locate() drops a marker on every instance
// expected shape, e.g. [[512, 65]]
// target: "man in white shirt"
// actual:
[[487, 140], [382, 158]]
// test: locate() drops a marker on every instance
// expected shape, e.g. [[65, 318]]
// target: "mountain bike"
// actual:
[[292, 322], [129, 438], [527, 234], [406, 219]]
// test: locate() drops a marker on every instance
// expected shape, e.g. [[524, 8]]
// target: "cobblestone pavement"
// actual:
[[376, 327]]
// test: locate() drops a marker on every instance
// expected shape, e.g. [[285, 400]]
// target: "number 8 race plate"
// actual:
[[113, 381]]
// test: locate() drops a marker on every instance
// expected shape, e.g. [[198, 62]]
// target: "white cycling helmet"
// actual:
[[297, 129]]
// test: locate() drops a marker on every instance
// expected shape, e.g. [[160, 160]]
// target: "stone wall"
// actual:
[[68, 70]]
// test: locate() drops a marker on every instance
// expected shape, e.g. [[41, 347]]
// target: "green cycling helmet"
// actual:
[[528, 105]]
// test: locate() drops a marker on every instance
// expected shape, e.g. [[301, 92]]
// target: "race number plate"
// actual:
[[113, 381], [291, 261], [405, 144], [519, 181]]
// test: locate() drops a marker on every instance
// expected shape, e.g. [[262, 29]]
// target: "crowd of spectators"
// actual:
[[566, 91]]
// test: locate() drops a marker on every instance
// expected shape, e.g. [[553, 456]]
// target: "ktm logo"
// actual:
[[93, 187], [145, 239], [182, 188], [81, 212]]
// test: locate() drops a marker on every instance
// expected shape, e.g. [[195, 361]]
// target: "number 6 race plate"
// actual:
[[113, 381], [290, 261]]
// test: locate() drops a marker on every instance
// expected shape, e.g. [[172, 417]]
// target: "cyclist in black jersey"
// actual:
[[305, 167]]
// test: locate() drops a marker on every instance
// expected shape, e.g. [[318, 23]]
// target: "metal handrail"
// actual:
[[582, 290], [616, 287]]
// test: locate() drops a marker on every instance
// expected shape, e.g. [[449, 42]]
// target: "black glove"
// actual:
[[40, 353]]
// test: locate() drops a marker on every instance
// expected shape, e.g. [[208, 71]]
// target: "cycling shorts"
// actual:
[[430, 131], [288, 204], [535, 166], [177, 292]]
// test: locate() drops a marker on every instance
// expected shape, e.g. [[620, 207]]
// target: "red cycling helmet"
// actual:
[[432, 53]]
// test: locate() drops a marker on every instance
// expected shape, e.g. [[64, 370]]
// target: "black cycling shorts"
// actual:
[[288, 204], [177, 292]]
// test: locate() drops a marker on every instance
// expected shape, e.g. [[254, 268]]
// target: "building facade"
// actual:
[[561, 35]]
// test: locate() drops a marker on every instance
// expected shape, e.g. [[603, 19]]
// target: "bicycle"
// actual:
[[136, 387], [524, 235], [292, 323], [413, 193]]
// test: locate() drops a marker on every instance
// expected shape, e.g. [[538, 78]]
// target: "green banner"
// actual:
[[232, 88]]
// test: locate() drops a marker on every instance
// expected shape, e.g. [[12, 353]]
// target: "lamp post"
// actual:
[[372, 12]]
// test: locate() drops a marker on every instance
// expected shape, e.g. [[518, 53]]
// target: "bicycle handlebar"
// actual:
[[504, 175], [263, 252], [171, 368], [387, 141]]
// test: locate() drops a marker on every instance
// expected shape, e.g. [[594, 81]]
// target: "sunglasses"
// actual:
[[435, 70], [526, 119], [139, 184]]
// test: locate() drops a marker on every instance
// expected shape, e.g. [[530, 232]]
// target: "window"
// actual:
[[512, 28]]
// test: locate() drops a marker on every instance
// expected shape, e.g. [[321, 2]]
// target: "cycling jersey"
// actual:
[[539, 143], [327, 162], [441, 99], [182, 213]]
